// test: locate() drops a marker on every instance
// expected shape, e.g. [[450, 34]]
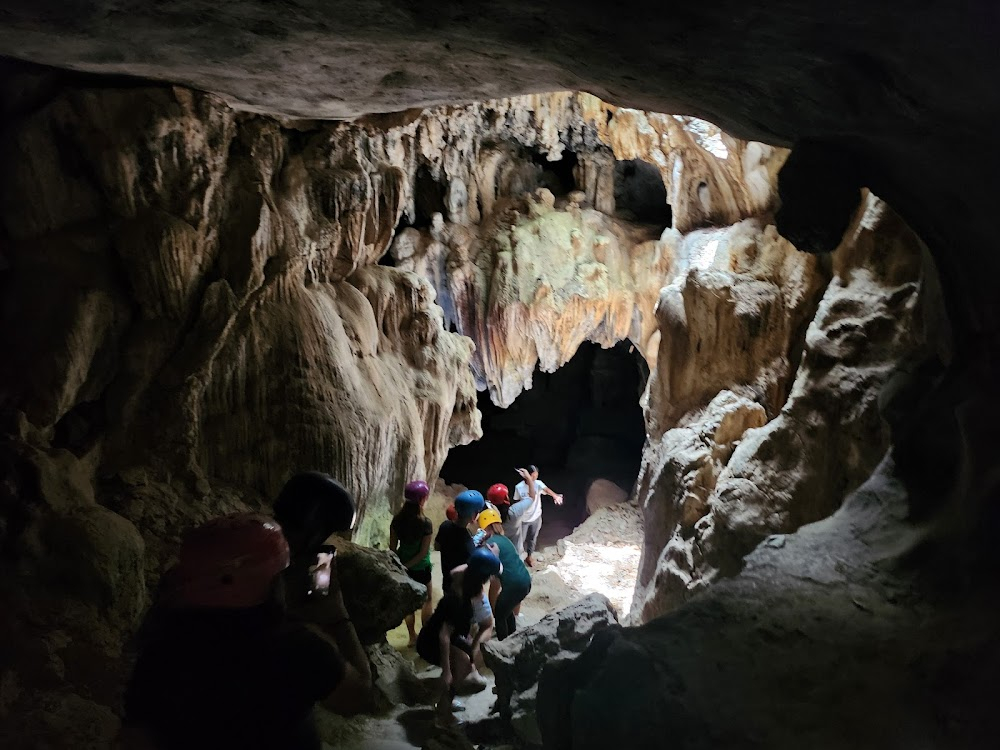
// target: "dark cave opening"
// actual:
[[641, 194], [578, 424], [559, 175], [428, 198]]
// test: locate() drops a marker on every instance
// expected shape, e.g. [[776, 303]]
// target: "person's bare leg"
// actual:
[[411, 622], [428, 609], [460, 668]]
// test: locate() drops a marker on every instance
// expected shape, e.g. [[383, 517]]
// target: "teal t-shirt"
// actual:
[[515, 574]]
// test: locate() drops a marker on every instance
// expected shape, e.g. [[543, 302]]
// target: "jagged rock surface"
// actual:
[[761, 458], [518, 661]]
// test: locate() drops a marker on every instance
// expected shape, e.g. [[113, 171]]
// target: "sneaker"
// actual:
[[474, 683], [457, 705]]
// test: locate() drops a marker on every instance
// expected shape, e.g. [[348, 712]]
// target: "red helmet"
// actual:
[[416, 491], [228, 562], [451, 513], [498, 494]]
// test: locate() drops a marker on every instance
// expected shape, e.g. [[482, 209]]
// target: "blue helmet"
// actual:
[[469, 503], [485, 563]]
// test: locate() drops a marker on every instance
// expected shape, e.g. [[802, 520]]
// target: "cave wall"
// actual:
[[195, 308], [798, 424]]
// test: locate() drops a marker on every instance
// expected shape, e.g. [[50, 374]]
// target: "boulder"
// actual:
[[396, 682], [603, 494], [518, 661], [377, 591]]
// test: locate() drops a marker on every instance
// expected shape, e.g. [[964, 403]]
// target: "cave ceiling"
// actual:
[[895, 96]]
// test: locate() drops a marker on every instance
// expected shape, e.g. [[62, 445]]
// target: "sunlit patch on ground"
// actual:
[[609, 569]]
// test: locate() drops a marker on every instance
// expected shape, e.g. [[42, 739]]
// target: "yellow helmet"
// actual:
[[489, 517]]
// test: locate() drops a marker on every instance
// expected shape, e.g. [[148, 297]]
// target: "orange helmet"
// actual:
[[451, 513], [498, 494], [228, 562]]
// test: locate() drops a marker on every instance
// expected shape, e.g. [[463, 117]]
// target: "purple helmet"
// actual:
[[416, 491]]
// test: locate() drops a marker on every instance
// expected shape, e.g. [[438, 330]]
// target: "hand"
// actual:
[[327, 563], [557, 499], [495, 549], [523, 473]]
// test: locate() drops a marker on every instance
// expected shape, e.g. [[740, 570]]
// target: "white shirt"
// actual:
[[534, 511]]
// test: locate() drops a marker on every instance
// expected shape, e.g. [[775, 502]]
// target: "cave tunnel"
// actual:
[[557, 175], [640, 193], [580, 423]]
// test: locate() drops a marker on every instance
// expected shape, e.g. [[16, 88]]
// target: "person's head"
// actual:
[[533, 470], [482, 566], [498, 495], [468, 504], [415, 494], [490, 521], [451, 513], [231, 562], [311, 507]]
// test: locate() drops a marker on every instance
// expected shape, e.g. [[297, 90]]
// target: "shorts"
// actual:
[[421, 576], [429, 647]]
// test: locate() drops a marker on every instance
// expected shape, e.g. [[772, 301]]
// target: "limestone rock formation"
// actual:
[[811, 645], [201, 301], [765, 456], [519, 660], [604, 494], [377, 591]]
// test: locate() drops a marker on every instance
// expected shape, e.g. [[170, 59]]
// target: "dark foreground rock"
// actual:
[[377, 591], [518, 661]]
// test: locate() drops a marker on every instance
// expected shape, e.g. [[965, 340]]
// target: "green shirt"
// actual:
[[515, 575], [411, 532]]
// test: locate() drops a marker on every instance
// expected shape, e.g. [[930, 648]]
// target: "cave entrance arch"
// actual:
[[579, 424]]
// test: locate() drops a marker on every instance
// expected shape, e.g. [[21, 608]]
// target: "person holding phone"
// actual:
[[312, 508], [220, 664], [530, 491], [453, 539]]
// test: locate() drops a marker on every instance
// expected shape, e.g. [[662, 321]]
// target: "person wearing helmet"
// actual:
[[313, 509], [531, 489], [514, 583], [453, 539], [410, 536], [499, 496], [445, 640], [219, 664]]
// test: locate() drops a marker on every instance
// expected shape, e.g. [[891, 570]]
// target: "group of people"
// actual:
[[483, 577], [249, 631]]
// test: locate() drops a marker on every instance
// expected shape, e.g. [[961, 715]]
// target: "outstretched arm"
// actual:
[[554, 495]]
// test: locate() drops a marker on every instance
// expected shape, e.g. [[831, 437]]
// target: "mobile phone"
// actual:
[[479, 538], [321, 571]]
